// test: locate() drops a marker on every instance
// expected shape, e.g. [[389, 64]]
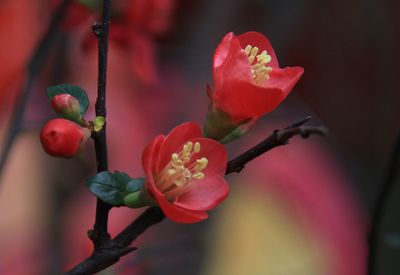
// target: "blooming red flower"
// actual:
[[185, 173], [135, 24], [63, 138], [248, 80]]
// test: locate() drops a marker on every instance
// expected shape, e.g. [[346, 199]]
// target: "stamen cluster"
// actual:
[[259, 69], [179, 174]]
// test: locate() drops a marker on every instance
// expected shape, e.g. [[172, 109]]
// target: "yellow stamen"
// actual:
[[260, 71], [199, 176], [197, 147], [178, 177]]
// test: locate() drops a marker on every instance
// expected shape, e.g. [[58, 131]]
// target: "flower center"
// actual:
[[179, 174], [258, 64]]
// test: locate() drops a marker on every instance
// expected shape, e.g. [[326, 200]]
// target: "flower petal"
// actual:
[[174, 140], [256, 39], [206, 194], [230, 61], [243, 100], [284, 79], [178, 214], [150, 155], [215, 153]]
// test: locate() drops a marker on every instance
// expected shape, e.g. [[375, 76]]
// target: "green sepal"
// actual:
[[135, 200], [222, 128], [75, 117], [74, 91], [113, 187]]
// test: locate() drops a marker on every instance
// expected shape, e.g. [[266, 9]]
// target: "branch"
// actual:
[[34, 68], [277, 138], [99, 235], [120, 245], [380, 207]]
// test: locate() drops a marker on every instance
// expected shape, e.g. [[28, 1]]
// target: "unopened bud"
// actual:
[[63, 138], [67, 106]]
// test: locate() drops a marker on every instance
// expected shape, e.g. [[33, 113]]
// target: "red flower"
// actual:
[[135, 24], [185, 173], [63, 138], [248, 80]]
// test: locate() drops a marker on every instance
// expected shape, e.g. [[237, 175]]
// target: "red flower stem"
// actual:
[[34, 68], [100, 234], [120, 245]]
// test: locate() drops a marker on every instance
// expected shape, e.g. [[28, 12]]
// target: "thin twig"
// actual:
[[99, 234], [278, 138], [34, 68], [380, 207], [120, 245]]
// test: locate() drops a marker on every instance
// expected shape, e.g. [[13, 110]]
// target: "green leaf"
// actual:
[[122, 179], [134, 185], [74, 91], [113, 187], [105, 187]]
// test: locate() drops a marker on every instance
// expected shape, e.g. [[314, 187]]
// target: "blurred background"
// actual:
[[299, 209]]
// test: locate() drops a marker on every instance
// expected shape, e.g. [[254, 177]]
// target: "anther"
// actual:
[[197, 147], [199, 176]]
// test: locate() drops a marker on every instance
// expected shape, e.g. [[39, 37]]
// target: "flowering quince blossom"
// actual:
[[135, 25], [248, 81], [185, 173], [63, 138]]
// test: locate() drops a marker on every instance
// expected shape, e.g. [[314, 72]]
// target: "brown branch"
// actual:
[[113, 249], [99, 235]]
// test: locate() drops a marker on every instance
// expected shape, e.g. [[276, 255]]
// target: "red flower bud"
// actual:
[[63, 138], [67, 106], [65, 103]]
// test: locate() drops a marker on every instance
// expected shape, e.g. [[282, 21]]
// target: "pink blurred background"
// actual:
[[300, 209]]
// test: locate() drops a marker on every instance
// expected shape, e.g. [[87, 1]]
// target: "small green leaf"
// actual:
[[113, 187], [106, 187], [73, 90], [98, 123], [122, 179], [134, 185]]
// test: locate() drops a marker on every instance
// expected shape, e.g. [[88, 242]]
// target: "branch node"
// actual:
[[97, 28]]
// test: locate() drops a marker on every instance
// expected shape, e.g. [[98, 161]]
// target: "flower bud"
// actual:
[[67, 106], [63, 138]]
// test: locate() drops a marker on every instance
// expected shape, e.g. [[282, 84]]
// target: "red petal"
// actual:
[[178, 214], [143, 59], [175, 139], [230, 61], [150, 156], [256, 39], [215, 152], [206, 194], [244, 100], [284, 79]]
